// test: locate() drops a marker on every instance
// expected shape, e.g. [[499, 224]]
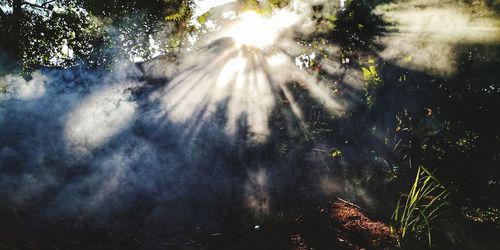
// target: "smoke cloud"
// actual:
[[425, 35], [191, 144], [162, 143]]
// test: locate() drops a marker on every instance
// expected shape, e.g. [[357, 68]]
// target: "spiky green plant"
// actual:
[[422, 207]]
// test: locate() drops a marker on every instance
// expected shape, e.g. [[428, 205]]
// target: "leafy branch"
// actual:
[[42, 6]]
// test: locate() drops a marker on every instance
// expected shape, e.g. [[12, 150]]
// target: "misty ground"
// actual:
[[301, 126]]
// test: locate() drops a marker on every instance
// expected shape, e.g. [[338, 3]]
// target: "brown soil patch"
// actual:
[[359, 230]]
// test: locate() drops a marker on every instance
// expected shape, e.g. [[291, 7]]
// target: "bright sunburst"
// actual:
[[233, 76], [259, 31]]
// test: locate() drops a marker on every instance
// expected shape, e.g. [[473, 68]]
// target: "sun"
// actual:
[[254, 30]]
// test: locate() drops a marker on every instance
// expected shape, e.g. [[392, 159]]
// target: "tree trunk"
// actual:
[[15, 29]]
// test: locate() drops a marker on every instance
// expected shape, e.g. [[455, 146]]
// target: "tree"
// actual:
[[62, 33]]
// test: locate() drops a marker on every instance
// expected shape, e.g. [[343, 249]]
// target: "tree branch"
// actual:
[[42, 6], [2, 14]]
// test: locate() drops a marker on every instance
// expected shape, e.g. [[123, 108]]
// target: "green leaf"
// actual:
[[366, 72], [335, 153]]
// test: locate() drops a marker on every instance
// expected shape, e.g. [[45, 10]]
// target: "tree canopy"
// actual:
[[62, 33]]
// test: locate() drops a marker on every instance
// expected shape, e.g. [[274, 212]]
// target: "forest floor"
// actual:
[[338, 225], [352, 228]]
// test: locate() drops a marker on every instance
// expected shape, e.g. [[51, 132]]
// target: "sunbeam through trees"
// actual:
[[249, 124]]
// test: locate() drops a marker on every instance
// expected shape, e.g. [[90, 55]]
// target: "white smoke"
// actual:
[[173, 141], [424, 35]]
